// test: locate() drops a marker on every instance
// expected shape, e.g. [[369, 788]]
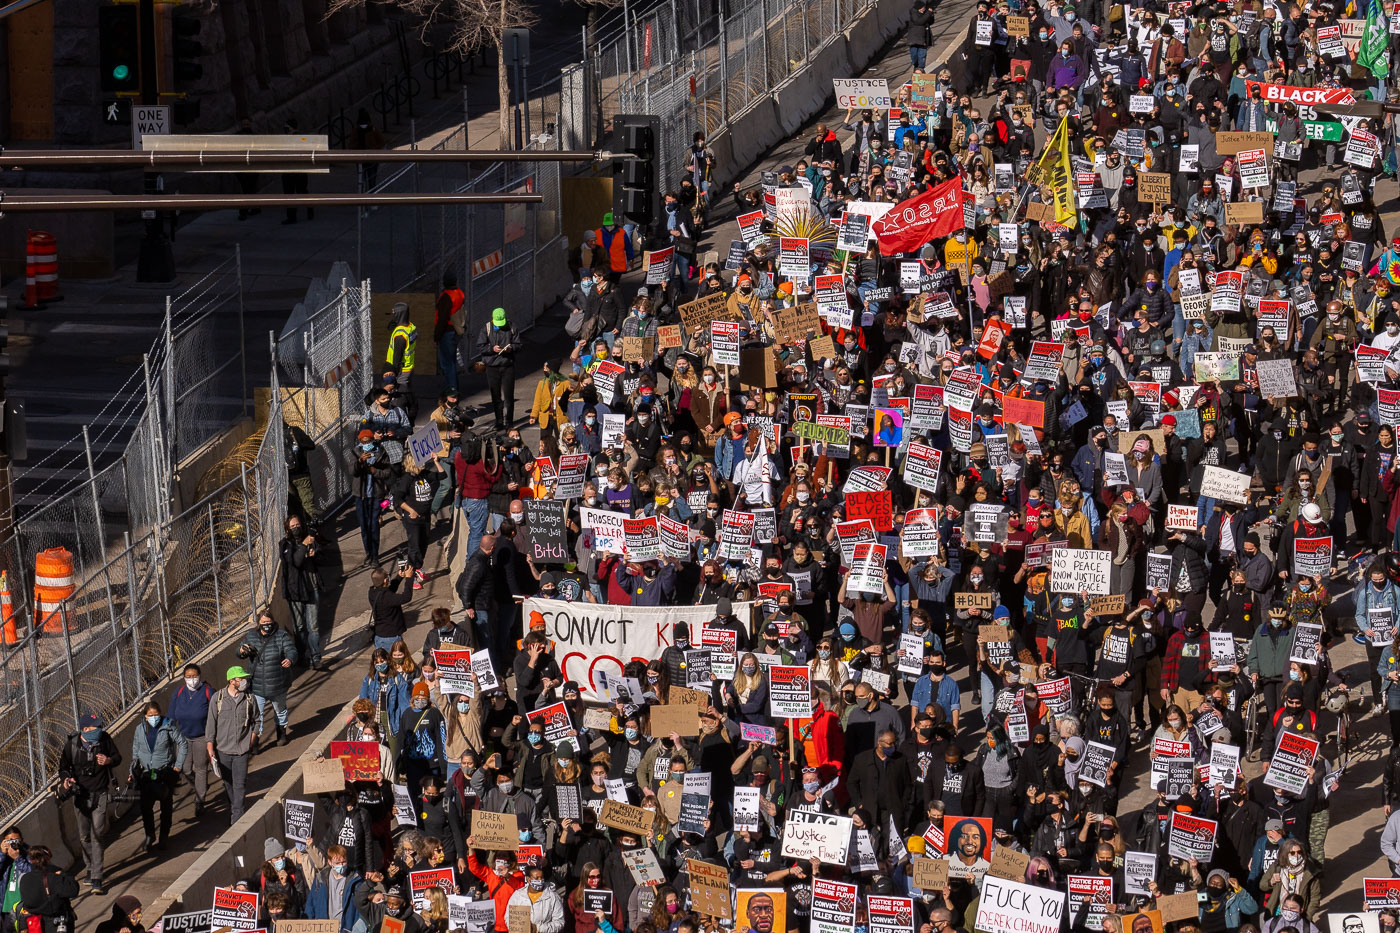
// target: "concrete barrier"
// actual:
[[777, 116]]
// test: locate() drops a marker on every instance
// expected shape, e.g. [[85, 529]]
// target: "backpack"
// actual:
[[574, 325]]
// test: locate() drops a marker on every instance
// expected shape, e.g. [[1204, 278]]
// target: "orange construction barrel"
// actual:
[[40, 269], [53, 583], [7, 610]]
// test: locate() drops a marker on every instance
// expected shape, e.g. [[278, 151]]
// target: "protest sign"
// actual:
[[1030, 412], [620, 816], [195, 921], [695, 803], [930, 874], [1244, 212], [702, 311], [1290, 768], [709, 888], [558, 724], [297, 819], [322, 777], [867, 573], [862, 93], [1094, 765], [234, 910], [1154, 187], [833, 906], [821, 836], [658, 264], [420, 882], [1008, 863], [853, 235], [1006, 906], [1381, 893], [1139, 868], [789, 692], [1276, 378], [794, 256], [724, 342], [359, 759], [1229, 485], [1073, 570], [878, 507], [1307, 643], [1181, 518], [1089, 897], [495, 830], [887, 914], [545, 525], [1312, 557], [1191, 837], [425, 442]]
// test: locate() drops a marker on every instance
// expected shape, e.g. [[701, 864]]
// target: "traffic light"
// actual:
[[119, 49], [185, 52], [636, 185]]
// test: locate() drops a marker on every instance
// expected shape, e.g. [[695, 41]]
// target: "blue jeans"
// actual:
[[477, 513], [901, 596], [386, 642], [279, 707], [367, 513], [447, 359], [918, 54], [306, 623]]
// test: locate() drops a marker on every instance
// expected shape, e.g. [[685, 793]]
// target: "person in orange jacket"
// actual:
[[501, 877], [616, 243]]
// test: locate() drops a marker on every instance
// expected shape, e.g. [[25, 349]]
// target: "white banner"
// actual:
[[1007, 906], [593, 636]]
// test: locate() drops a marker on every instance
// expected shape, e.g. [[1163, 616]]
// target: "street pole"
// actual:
[[156, 262]]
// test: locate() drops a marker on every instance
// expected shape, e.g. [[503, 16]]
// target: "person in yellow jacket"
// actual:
[[545, 410], [403, 341], [959, 252]]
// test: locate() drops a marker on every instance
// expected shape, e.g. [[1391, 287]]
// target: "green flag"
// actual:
[[1373, 54]]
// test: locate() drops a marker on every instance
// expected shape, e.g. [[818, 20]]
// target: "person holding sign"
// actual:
[[543, 901]]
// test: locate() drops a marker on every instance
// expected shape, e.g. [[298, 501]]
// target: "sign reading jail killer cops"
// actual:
[[821, 836], [1073, 570]]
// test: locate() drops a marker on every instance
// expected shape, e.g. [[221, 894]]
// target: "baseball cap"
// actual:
[[236, 672]]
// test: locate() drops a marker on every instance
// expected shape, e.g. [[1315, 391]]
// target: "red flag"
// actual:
[[912, 223]]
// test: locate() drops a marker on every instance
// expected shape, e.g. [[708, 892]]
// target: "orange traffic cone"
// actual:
[[7, 611]]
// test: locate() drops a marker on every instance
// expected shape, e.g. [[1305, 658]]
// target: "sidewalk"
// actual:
[[315, 697]]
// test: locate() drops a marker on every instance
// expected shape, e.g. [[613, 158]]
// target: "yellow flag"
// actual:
[[1054, 173]]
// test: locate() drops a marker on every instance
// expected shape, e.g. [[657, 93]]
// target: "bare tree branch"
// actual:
[[474, 25]]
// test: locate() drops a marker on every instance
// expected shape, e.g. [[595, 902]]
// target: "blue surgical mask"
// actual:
[[279, 863], [1304, 587], [586, 285], [812, 787], [152, 721], [463, 706], [630, 733], [338, 869], [367, 447], [524, 835], [1294, 675], [534, 738]]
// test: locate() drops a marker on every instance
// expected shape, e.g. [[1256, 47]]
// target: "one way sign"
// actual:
[[149, 120]]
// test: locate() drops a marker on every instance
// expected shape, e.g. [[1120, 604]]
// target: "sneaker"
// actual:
[[98, 889], [417, 584], [418, 575]]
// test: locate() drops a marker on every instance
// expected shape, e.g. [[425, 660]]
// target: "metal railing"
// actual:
[[152, 590]]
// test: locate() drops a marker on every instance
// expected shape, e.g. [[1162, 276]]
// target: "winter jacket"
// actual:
[[317, 906], [386, 608], [476, 587], [159, 748], [546, 911], [363, 854], [498, 889], [373, 914], [1268, 653], [265, 654], [301, 582], [79, 761], [1188, 571], [1367, 599]]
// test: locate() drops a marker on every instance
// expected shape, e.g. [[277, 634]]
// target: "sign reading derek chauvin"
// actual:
[[593, 637], [1073, 570], [1006, 906]]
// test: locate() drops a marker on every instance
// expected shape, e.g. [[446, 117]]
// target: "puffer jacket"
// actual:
[[1188, 558], [270, 678]]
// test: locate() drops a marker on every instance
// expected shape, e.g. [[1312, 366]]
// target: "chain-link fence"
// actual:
[[491, 248], [136, 592], [697, 69]]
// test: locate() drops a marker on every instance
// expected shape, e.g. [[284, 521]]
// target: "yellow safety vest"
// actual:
[[409, 333]]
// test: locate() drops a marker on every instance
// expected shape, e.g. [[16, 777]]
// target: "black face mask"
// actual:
[[1106, 866]]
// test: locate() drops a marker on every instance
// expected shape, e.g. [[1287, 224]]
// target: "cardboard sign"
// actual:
[[701, 311], [518, 918], [1107, 605], [625, 818], [797, 323], [1155, 187], [1008, 863], [709, 888], [668, 336], [930, 874], [670, 717], [498, 831], [973, 601], [323, 777], [1244, 212], [638, 349]]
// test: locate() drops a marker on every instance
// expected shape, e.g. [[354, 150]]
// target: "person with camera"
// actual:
[[14, 865], [159, 753], [272, 653], [301, 586], [85, 775], [47, 893]]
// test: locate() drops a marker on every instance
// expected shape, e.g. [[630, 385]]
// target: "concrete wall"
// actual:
[[776, 117]]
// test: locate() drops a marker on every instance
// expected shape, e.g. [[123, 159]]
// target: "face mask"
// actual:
[[1304, 587], [381, 666], [1106, 866], [824, 653], [1295, 860], [536, 885], [1174, 723], [242, 686], [1066, 603], [152, 721], [630, 733], [279, 863], [1044, 36], [338, 869], [502, 869], [811, 787], [975, 581], [420, 704], [1289, 915]]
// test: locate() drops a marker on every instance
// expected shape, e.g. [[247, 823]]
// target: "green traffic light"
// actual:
[[120, 72]]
